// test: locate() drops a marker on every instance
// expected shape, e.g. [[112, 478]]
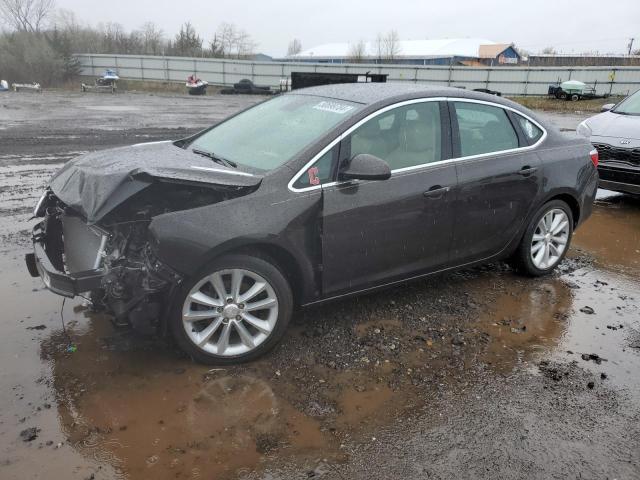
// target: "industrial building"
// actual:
[[451, 51]]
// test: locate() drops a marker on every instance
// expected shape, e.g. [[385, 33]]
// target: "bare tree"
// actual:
[[379, 47], [357, 52], [295, 47], [391, 46], [387, 46], [245, 45], [26, 15], [152, 38], [226, 35], [66, 20], [548, 51], [231, 42]]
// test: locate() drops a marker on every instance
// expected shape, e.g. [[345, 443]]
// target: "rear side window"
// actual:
[[484, 129], [531, 131]]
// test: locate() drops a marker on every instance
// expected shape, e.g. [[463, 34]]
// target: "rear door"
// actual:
[[499, 178], [375, 232]]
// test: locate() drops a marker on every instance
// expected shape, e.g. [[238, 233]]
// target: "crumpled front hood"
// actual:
[[609, 124], [95, 183]]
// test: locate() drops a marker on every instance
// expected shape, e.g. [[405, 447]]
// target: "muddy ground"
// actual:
[[475, 374]]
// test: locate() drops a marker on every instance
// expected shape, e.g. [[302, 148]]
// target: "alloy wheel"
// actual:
[[230, 312], [550, 239]]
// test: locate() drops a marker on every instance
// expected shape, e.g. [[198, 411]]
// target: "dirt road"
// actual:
[[476, 374]]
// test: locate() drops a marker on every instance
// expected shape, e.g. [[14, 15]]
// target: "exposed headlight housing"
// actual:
[[584, 129]]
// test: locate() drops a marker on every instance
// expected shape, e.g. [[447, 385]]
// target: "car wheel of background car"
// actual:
[[233, 311], [546, 240], [575, 97]]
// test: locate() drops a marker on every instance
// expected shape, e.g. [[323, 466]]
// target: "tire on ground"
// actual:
[[521, 259], [263, 267]]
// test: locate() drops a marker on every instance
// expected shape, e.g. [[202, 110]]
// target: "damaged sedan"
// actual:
[[313, 195]]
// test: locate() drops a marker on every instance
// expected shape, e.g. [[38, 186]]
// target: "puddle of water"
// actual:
[[612, 233], [612, 331], [150, 413], [532, 320], [525, 319]]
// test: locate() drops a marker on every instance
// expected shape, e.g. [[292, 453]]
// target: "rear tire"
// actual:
[[546, 240], [227, 323]]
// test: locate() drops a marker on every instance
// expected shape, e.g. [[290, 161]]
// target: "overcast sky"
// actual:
[[586, 25]]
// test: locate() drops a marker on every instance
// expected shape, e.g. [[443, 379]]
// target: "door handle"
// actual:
[[526, 171], [437, 191]]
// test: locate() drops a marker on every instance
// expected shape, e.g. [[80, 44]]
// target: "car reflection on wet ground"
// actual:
[[475, 374]]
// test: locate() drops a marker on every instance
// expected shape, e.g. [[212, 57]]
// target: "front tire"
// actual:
[[546, 240], [232, 311]]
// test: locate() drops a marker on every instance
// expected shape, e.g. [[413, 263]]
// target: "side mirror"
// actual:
[[366, 167], [607, 106]]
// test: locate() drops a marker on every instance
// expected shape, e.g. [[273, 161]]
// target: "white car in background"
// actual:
[[616, 135]]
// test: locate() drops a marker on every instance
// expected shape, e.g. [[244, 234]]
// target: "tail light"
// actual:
[[594, 157]]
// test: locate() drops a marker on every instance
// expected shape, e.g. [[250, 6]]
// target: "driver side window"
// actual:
[[403, 137]]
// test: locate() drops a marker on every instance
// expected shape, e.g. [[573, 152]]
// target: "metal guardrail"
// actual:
[[508, 80]]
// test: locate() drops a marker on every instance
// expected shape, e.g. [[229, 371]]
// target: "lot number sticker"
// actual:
[[334, 107]]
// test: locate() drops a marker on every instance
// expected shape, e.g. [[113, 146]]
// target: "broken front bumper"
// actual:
[[68, 285]]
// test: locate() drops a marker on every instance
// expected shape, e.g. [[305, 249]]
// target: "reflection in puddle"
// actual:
[[148, 414], [525, 319], [612, 233]]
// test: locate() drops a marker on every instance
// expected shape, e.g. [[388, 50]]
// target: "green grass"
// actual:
[[553, 104]]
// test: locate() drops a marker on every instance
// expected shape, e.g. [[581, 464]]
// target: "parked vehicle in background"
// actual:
[[574, 90], [107, 82], [311, 196], [26, 87], [616, 135], [196, 86]]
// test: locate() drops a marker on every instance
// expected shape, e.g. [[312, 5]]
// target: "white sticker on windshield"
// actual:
[[334, 107]]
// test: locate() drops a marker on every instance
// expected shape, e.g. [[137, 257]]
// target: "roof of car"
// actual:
[[372, 93]]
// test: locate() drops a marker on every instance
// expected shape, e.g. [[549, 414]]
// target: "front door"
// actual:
[[375, 232]]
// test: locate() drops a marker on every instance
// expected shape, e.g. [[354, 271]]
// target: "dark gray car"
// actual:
[[616, 135], [313, 195]]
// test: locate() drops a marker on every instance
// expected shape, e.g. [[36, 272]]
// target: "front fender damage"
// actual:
[[136, 287]]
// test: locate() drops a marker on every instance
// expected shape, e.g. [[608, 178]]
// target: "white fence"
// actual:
[[508, 80]]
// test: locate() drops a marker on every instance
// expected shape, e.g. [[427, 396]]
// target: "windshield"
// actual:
[[272, 133], [629, 106]]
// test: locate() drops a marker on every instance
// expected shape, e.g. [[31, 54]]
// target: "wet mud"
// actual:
[[475, 374]]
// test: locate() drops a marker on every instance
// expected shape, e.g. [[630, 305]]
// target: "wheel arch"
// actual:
[[301, 277], [566, 196], [570, 200]]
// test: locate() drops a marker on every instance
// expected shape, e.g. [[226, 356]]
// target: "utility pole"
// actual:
[[631, 45]]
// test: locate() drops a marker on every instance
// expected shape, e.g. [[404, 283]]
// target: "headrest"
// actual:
[[418, 136]]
